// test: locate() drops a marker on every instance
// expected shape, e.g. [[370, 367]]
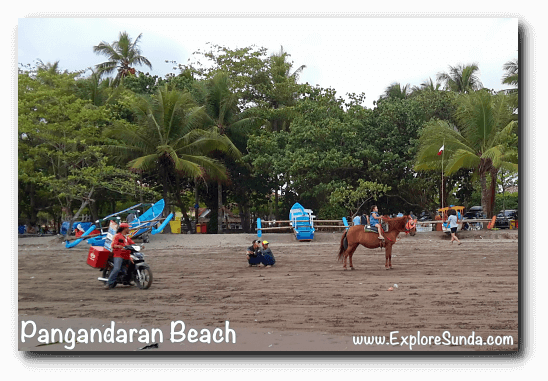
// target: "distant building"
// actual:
[[230, 221]]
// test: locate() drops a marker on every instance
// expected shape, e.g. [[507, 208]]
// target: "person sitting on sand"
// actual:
[[374, 220], [254, 256], [268, 257]]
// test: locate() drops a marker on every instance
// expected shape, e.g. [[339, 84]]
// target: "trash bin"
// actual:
[[198, 228], [175, 227], [204, 228]]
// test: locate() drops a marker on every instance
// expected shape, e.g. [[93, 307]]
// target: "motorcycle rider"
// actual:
[[120, 256]]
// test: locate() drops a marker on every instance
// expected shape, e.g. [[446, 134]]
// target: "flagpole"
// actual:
[[442, 152]]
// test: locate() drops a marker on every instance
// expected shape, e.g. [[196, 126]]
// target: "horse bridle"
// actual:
[[410, 224]]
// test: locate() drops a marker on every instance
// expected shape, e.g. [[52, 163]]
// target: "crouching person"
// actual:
[[268, 257], [254, 255]]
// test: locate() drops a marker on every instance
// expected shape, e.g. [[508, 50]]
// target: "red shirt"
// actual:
[[120, 239]]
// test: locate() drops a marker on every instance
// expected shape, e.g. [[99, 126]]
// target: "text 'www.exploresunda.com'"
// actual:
[[427, 340]]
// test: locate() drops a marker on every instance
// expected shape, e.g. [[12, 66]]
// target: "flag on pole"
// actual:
[[441, 149]]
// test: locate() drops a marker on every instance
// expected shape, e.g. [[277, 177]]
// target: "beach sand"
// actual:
[[305, 302]]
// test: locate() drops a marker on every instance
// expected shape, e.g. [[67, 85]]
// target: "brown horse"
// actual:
[[356, 236]]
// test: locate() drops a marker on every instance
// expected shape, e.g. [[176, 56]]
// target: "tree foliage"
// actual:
[[237, 126]]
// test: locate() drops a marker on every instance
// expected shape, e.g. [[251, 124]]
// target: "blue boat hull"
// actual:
[[97, 241], [152, 214], [301, 221]]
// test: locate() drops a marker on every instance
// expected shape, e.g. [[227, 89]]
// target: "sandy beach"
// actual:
[[305, 302]]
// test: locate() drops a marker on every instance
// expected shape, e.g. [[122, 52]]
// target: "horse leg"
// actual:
[[388, 256], [348, 254]]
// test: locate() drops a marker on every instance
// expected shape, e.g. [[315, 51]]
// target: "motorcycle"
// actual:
[[139, 272]]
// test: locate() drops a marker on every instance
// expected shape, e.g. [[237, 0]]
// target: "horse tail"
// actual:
[[343, 247]]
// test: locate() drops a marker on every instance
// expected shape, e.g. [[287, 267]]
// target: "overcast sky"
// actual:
[[348, 54]]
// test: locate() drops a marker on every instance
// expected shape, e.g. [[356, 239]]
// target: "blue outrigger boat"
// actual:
[[149, 221], [302, 222]]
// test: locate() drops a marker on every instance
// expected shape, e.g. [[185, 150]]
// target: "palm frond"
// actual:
[[435, 134], [461, 159], [195, 166], [144, 162]]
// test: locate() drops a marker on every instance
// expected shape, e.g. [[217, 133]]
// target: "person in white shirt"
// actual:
[[452, 224]]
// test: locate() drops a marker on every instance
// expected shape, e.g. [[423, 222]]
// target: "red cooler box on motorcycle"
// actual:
[[98, 256]]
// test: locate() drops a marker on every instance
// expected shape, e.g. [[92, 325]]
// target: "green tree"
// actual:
[[222, 115], [484, 141], [122, 55], [353, 199], [318, 154], [427, 85], [168, 140], [511, 77], [397, 91], [461, 78], [278, 91], [60, 153]]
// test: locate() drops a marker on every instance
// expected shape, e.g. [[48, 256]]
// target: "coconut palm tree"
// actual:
[[223, 116], [512, 78], [461, 78], [483, 142], [397, 91], [428, 85], [52, 68], [122, 55], [280, 90], [168, 139]]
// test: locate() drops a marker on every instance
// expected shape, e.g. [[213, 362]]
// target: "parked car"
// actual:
[[474, 212], [425, 216], [504, 218]]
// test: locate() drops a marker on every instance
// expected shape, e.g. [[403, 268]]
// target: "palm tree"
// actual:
[[52, 68], [428, 85], [122, 55], [167, 140], [483, 143], [395, 91], [222, 116], [281, 69], [461, 78], [280, 90], [512, 78]]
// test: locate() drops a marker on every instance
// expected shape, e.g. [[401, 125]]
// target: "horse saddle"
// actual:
[[373, 229]]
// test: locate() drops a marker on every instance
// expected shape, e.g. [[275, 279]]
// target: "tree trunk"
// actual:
[[488, 193], [493, 190], [484, 193], [196, 204], [85, 202], [220, 207], [94, 211], [276, 204], [33, 213]]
